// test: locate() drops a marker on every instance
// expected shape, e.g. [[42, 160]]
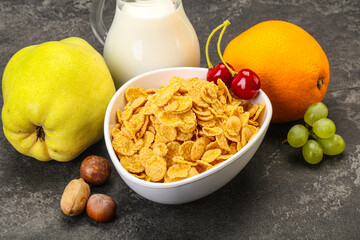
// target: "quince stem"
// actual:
[[40, 133]]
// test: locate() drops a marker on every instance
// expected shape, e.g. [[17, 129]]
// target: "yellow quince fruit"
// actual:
[[55, 97]]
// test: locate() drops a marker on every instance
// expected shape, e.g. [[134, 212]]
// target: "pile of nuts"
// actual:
[[94, 170]]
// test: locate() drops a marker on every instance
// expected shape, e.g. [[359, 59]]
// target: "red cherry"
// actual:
[[246, 84], [222, 72]]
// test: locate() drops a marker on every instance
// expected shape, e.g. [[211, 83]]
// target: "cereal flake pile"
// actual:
[[182, 129]]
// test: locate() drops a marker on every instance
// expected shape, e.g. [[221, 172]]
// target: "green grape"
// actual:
[[312, 152], [297, 136], [324, 128], [333, 145], [315, 112]]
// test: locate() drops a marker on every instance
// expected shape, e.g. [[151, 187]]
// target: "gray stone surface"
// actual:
[[276, 196]]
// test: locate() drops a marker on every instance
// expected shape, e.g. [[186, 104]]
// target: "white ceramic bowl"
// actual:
[[196, 187]]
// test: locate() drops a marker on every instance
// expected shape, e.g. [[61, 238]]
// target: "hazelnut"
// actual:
[[95, 170], [75, 196], [101, 208]]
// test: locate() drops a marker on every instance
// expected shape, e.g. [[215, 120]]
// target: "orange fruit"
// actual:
[[292, 66]]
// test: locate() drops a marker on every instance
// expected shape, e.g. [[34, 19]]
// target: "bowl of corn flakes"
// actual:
[[174, 137]]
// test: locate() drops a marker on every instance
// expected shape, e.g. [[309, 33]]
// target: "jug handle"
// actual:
[[96, 20]]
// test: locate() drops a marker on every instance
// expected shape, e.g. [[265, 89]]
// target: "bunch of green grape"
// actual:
[[322, 132]]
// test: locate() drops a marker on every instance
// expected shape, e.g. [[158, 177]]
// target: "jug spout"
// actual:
[[96, 20]]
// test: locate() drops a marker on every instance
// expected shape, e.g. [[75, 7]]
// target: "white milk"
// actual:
[[149, 35]]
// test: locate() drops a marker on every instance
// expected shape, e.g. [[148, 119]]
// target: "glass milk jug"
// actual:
[[145, 35]]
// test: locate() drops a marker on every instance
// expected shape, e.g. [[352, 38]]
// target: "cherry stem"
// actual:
[[225, 24], [208, 42]]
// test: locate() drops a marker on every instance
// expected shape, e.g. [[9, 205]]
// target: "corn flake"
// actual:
[[259, 111], [167, 179], [116, 130], [233, 125], [244, 119], [182, 136], [212, 131], [192, 172], [179, 159], [184, 104], [132, 164], [144, 155], [166, 93], [211, 155], [195, 95], [165, 133], [133, 93], [204, 165], [140, 175], [187, 128], [123, 145], [183, 129], [160, 149], [198, 149], [155, 168], [245, 135], [185, 150], [178, 170], [223, 142]]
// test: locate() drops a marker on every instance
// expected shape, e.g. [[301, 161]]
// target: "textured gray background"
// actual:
[[276, 196]]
